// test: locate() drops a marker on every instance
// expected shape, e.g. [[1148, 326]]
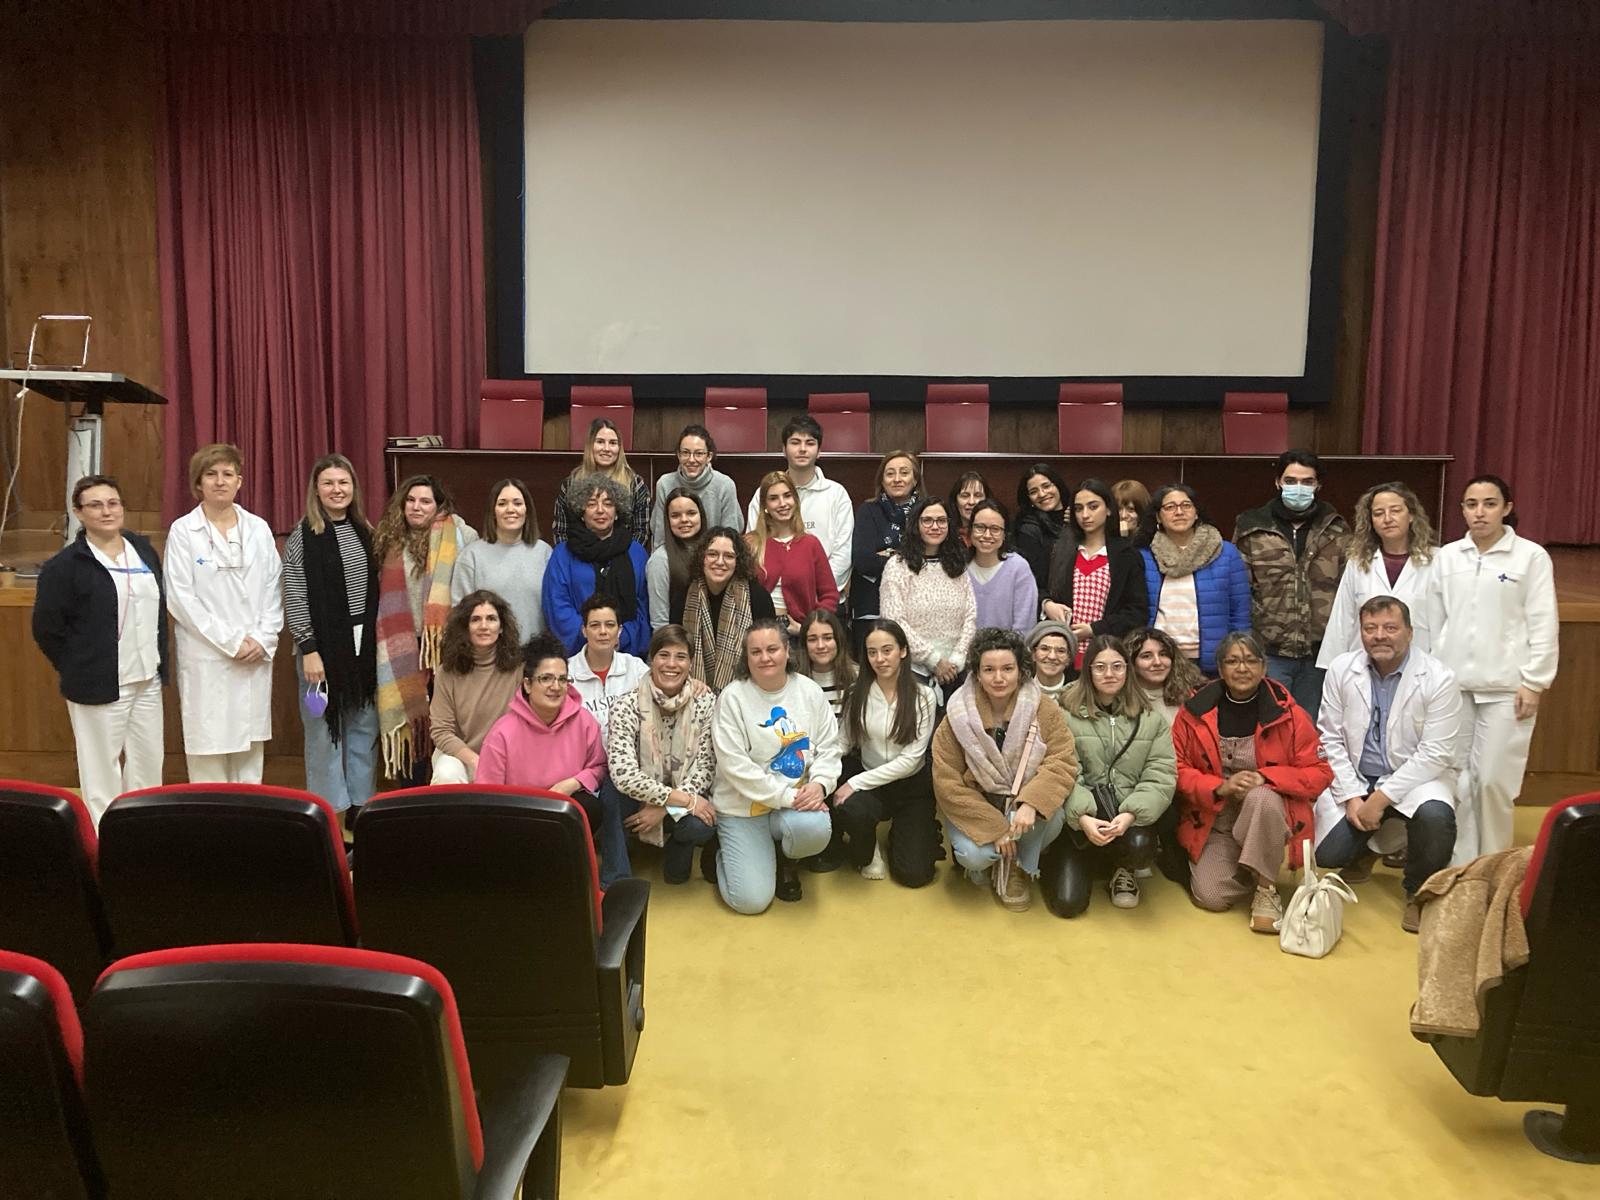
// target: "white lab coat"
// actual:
[[216, 602], [1417, 585], [1501, 623], [1420, 738]]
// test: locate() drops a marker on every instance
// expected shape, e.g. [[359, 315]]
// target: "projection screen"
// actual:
[[1115, 198]]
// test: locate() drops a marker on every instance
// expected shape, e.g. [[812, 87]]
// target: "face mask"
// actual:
[[317, 699], [1297, 497]]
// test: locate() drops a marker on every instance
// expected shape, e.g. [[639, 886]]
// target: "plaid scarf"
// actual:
[[722, 639], [406, 654]]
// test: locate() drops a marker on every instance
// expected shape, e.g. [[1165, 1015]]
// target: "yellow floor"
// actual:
[[873, 1041]]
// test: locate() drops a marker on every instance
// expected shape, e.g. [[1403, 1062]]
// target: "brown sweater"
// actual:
[[963, 803], [465, 706]]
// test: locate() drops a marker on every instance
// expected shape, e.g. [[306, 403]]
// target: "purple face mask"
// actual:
[[316, 699]]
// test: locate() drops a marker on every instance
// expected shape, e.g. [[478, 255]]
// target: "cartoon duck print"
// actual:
[[789, 761]]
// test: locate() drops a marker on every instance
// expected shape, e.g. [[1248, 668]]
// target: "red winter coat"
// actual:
[[1288, 752]]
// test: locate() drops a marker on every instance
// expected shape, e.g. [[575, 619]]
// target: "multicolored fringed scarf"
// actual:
[[717, 645], [406, 654]]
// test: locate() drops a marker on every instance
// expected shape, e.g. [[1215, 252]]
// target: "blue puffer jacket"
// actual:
[[1222, 588]]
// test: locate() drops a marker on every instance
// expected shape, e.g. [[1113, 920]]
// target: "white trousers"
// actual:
[[120, 745], [242, 766], [1492, 749], [447, 768]]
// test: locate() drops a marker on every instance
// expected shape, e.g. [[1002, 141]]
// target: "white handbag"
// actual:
[[1315, 916]]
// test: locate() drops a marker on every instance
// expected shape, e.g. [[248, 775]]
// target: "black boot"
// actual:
[[708, 861], [788, 889]]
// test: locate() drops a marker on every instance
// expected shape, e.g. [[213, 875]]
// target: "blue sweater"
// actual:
[[1222, 590], [568, 582]]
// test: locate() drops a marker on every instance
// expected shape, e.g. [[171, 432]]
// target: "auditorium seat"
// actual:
[[511, 414], [49, 897], [45, 1147], [958, 417], [496, 886], [1089, 418], [305, 1071], [846, 420], [737, 418], [1540, 1035], [1255, 422], [590, 402], [195, 864]]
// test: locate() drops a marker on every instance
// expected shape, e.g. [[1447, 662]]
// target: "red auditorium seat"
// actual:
[[958, 417], [49, 897], [1540, 1039], [737, 418], [288, 1070], [846, 420], [198, 864], [1255, 422], [497, 887], [1089, 418], [590, 402], [511, 414], [45, 1147]]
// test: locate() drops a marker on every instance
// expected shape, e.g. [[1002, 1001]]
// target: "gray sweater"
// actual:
[[718, 497], [515, 572]]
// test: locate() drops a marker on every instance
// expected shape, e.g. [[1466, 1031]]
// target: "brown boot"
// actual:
[[1360, 869], [1266, 910], [1411, 919], [1018, 894]]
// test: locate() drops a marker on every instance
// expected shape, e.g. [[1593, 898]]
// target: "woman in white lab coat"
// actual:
[[222, 571], [1393, 552]]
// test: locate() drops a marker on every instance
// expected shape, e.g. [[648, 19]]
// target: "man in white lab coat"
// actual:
[[1389, 719], [222, 573]]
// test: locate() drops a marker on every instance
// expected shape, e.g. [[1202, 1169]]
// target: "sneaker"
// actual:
[[875, 869], [1360, 869], [1144, 872], [1124, 888], [1018, 896], [1397, 860], [1411, 919], [1266, 910]]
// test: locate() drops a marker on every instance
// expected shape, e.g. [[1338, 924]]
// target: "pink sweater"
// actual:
[[807, 579], [522, 751]]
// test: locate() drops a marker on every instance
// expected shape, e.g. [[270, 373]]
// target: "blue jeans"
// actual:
[[747, 860], [1302, 677], [978, 859], [342, 774], [1430, 839], [681, 837]]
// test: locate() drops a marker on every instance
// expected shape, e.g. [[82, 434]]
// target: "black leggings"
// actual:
[[1070, 869], [914, 835]]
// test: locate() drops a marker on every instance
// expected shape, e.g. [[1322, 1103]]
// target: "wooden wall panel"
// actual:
[[78, 234]]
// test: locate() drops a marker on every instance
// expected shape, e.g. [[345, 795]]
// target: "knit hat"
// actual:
[[1044, 628]]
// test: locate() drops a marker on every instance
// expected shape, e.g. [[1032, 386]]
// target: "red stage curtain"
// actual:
[[1466, 18], [1486, 317], [365, 18], [321, 254]]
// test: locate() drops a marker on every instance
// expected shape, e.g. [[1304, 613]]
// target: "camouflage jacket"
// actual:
[[1290, 598]]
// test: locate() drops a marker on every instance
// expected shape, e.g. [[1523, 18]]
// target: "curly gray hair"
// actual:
[[1000, 639], [580, 487]]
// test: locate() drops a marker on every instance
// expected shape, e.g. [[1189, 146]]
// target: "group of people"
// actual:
[[773, 685]]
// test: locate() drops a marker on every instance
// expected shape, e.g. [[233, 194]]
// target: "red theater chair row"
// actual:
[[214, 1071], [495, 887]]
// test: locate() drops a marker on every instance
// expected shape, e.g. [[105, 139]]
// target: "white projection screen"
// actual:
[[1019, 198]]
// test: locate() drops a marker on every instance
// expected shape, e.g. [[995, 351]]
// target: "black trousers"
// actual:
[[1070, 869], [914, 834]]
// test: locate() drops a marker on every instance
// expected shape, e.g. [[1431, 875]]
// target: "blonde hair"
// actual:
[[316, 515], [621, 471], [1364, 543], [763, 528], [203, 459]]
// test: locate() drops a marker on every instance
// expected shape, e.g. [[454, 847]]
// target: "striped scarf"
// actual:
[[717, 646], [402, 669]]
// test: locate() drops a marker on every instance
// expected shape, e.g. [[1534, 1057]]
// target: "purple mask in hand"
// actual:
[[317, 699]]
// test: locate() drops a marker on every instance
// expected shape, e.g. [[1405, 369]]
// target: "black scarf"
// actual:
[[613, 568], [1296, 525], [352, 677], [895, 512]]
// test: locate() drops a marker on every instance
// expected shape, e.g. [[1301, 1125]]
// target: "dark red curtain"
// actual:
[[1486, 317], [321, 254]]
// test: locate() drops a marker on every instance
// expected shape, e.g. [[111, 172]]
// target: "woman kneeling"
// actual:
[[777, 760], [480, 667], [1003, 763], [1124, 784], [1250, 767]]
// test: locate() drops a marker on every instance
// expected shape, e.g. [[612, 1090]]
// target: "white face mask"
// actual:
[[1297, 497]]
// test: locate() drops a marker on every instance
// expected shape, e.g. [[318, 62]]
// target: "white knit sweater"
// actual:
[[939, 614]]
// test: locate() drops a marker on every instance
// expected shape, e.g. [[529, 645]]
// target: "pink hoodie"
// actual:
[[520, 750]]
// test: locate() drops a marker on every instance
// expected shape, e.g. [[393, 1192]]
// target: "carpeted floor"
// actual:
[[874, 1041]]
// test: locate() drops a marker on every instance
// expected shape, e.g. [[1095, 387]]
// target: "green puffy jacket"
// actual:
[[1144, 775]]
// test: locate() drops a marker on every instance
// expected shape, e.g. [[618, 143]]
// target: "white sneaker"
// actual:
[[1124, 888], [875, 869]]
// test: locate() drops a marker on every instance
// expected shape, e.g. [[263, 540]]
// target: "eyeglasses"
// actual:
[[95, 506], [694, 455], [934, 522], [989, 530], [721, 556], [1116, 668], [1246, 661], [1177, 506], [547, 680]]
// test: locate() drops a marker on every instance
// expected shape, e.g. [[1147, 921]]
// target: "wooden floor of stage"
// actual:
[[36, 737]]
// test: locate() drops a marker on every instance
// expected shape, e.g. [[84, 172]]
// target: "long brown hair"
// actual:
[[316, 515], [1184, 677], [530, 527], [844, 666], [906, 694], [681, 554], [394, 536], [456, 655], [1080, 698]]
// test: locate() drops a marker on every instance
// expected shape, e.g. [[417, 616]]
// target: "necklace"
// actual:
[[1250, 699]]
